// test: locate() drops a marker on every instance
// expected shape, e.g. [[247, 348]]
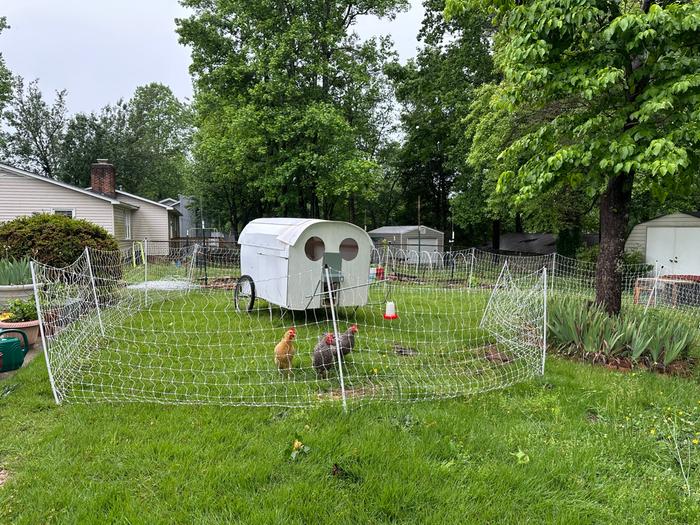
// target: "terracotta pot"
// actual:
[[31, 328]]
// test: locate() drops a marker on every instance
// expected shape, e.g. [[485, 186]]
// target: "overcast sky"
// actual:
[[101, 50]]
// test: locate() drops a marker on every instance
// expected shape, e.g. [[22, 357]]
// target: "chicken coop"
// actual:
[[283, 261]]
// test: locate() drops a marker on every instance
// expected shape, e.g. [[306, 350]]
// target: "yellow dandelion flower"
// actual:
[[696, 441], [652, 431], [297, 444]]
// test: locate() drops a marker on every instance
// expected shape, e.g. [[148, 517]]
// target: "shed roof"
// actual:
[[695, 214], [401, 230]]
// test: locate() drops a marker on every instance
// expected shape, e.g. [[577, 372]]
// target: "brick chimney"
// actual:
[[103, 178]]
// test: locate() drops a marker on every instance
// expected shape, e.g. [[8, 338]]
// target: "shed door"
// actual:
[[688, 251], [677, 250]]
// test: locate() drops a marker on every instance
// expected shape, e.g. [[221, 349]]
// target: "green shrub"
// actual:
[[55, 240], [15, 271], [583, 329]]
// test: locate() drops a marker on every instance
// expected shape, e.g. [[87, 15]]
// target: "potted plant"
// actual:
[[21, 314], [15, 280]]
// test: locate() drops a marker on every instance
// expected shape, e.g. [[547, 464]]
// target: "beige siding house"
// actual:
[[670, 242], [126, 216]]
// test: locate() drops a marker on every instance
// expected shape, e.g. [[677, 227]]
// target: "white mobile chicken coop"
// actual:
[[283, 261]]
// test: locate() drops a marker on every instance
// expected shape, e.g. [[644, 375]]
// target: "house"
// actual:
[[670, 242], [126, 216], [191, 226]]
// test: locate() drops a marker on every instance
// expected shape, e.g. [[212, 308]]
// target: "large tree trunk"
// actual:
[[614, 216]]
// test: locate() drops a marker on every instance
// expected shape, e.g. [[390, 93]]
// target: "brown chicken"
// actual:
[[284, 351]]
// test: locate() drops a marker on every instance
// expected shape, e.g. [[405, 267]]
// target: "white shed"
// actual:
[[671, 241], [285, 259], [411, 240]]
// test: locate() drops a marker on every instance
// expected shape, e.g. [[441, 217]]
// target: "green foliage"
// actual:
[[21, 311], [147, 138], [15, 271], [583, 329], [55, 240], [629, 259], [35, 129], [435, 90], [5, 75], [292, 108]]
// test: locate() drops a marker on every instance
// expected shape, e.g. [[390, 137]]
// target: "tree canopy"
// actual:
[[616, 89], [291, 105]]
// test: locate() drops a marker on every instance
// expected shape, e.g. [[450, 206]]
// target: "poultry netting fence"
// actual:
[[159, 324], [163, 326]]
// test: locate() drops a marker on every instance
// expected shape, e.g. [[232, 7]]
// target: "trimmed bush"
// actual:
[[55, 240]]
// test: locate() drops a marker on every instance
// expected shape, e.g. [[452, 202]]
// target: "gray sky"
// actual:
[[101, 50]]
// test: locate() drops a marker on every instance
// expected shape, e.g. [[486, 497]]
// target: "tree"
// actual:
[[36, 129], [436, 90], [289, 104], [159, 131], [147, 139], [91, 136], [5, 75], [620, 85]]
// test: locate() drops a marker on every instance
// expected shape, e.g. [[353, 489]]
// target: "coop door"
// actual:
[[334, 263]]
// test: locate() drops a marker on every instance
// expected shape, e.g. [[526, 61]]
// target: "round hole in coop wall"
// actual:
[[349, 249], [315, 248]]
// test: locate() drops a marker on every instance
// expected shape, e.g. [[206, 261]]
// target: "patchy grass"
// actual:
[[581, 445]]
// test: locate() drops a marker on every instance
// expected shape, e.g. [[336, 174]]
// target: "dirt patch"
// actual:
[[350, 393], [220, 283], [4, 476], [680, 367]]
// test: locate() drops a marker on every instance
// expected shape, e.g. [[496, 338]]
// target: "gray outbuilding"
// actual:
[[670, 242]]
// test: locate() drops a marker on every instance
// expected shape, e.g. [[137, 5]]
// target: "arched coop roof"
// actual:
[[279, 233]]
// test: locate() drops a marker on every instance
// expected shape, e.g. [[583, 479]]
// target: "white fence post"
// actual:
[[471, 268], [45, 347], [94, 290], [653, 291], [339, 356], [145, 266], [554, 269], [544, 327]]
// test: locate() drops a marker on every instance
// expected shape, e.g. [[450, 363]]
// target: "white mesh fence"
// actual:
[[163, 327]]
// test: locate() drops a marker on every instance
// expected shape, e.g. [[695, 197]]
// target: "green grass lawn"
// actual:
[[580, 445], [196, 348]]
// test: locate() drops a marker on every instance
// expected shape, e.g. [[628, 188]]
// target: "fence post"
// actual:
[[554, 270], [653, 292], [44, 346], [145, 266], [337, 344], [94, 291], [471, 268], [544, 327]]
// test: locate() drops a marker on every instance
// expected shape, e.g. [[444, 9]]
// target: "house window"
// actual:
[[127, 224], [67, 212]]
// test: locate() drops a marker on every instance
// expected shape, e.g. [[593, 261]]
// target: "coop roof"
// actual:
[[281, 232]]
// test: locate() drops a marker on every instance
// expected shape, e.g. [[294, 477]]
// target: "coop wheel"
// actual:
[[244, 294]]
